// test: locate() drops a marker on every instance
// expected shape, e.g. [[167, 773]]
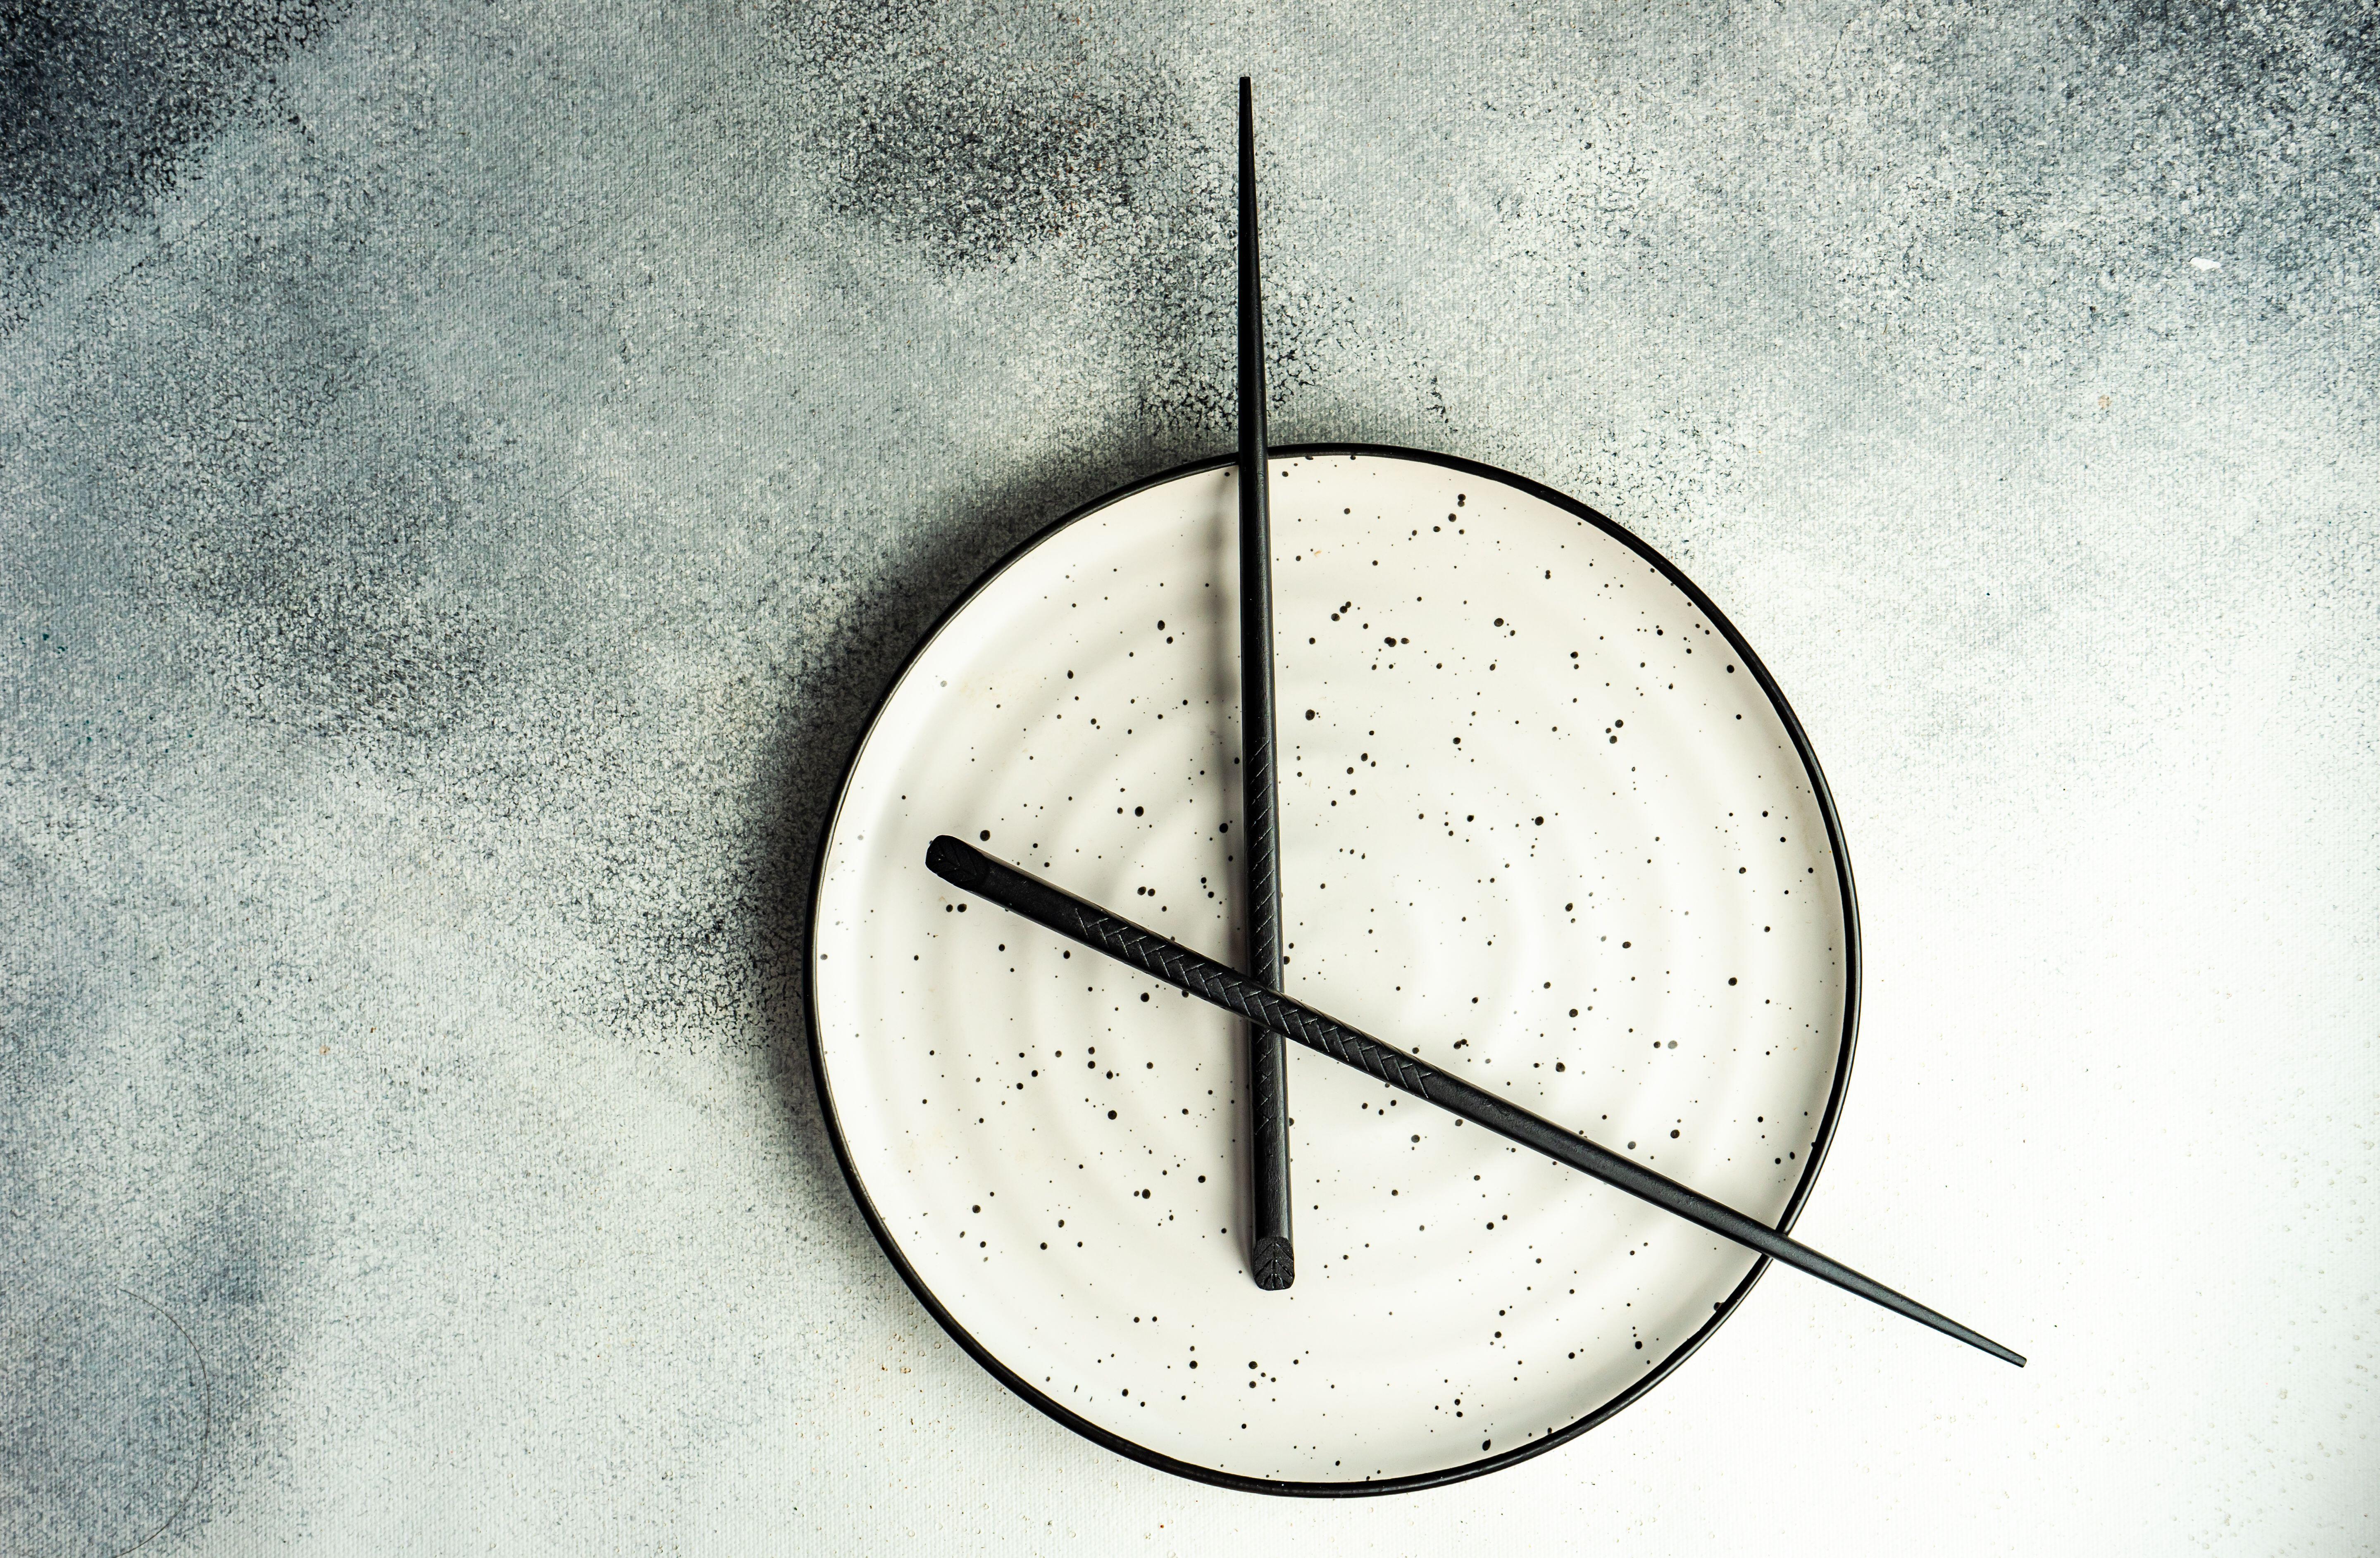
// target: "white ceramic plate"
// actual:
[[1544, 819]]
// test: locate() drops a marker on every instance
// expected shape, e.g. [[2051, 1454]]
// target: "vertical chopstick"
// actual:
[[1051, 907], [1271, 1258]]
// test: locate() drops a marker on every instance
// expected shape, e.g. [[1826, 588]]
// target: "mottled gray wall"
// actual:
[[466, 472]]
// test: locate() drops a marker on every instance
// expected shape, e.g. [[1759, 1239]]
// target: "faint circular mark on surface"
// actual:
[[107, 1408]]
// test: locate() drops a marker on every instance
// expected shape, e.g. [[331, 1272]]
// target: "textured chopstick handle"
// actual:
[[1271, 1258]]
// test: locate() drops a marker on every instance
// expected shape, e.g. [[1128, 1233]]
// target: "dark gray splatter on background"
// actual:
[[103, 101], [467, 472], [931, 123]]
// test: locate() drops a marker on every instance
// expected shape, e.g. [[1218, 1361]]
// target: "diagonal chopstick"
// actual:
[[1270, 1258], [964, 866]]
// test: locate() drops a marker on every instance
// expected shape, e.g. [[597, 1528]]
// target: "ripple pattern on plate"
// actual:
[[1537, 825]]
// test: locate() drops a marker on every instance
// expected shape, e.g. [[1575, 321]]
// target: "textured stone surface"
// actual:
[[466, 472]]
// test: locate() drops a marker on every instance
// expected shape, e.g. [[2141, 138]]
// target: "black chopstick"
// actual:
[[1271, 1258], [964, 866]]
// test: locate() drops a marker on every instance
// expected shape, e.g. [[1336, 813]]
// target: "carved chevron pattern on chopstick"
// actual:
[[1178, 965]]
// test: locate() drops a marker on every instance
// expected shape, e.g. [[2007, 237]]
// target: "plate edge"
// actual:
[[1820, 1141]]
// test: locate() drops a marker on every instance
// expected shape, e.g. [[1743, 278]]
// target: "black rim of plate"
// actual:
[[1529, 1447]]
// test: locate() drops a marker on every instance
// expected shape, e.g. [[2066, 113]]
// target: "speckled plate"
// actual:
[[1544, 818]]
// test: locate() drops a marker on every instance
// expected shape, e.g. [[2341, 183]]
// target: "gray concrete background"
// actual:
[[466, 472]]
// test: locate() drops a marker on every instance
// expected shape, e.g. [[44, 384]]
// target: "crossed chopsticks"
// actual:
[[1256, 996]]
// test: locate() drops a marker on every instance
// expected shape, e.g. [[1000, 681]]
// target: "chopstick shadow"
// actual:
[[829, 713]]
